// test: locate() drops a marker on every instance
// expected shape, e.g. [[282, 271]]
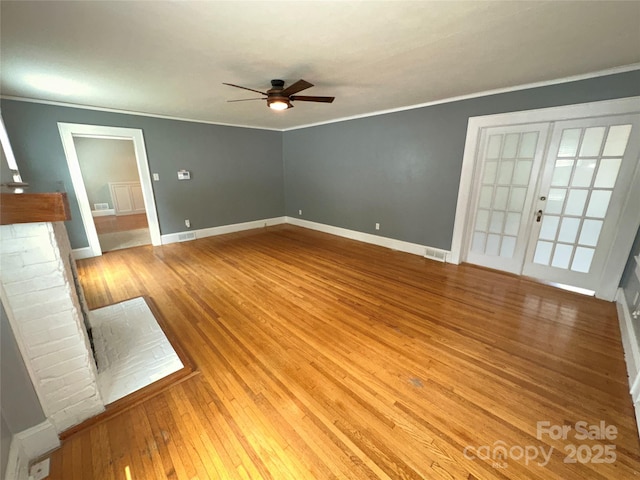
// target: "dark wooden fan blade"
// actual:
[[296, 87], [245, 88], [303, 98], [245, 99]]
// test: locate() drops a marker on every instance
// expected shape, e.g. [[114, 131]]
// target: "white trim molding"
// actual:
[[103, 213], [29, 445], [584, 110], [631, 351], [80, 253], [70, 130], [525, 86], [614, 267], [400, 245], [221, 230]]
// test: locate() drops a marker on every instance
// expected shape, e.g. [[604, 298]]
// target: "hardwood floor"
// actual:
[[120, 223], [325, 358]]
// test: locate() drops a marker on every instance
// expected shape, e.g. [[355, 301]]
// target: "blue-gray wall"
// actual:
[[630, 282], [237, 173], [19, 405], [403, 169]]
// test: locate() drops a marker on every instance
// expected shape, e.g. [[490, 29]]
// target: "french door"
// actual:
[[551, 209], [510, 159]]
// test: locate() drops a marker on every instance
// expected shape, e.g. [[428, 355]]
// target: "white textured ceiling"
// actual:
[[170, 58]]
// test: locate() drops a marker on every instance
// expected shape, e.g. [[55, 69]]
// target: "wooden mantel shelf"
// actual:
[[33, 207]]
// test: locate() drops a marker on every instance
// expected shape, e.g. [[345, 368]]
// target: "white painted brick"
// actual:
[[74, 397], [57, 357], [77, 377], [63, 331], [7, 232], [75, 414], [10, 262], [36, 297], [31, 229], [39, 283], [37, 277], [38, 255], [13, 245], [37, 351], [86, 393], [52, 385], [59, 305], [59, 369], [39, 338], [47, 323], [30, 272]]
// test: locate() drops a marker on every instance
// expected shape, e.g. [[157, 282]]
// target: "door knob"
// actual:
[[538, 215]]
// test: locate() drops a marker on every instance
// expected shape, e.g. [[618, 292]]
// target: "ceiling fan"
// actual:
[[280, 98]]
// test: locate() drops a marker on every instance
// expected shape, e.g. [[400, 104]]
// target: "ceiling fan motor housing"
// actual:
[[280, 98], [276, 98]]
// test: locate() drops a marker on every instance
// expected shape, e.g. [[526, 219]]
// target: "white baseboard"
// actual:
[[17, 464], [391, 243], [80, 253], [29, 445], [400, 245], [631, 351], [209, 232], [103, 213]]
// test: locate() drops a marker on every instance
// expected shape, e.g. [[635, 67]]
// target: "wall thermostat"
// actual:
[[184, 175]]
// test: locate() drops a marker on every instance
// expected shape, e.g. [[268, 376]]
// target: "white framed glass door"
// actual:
[[509, 165], [584, 184]]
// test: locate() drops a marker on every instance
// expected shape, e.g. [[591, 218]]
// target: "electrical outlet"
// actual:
[[299, 212], [156, 177], [187, 223], [377, 226], [39, 470]]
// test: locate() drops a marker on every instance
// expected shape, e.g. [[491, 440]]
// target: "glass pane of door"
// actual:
[[511, 159], [586, 177]]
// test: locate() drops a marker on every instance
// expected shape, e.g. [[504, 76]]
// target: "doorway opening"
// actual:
[[551, 194], [111, 179]]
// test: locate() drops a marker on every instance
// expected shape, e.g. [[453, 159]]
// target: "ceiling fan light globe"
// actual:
[[278, 105]]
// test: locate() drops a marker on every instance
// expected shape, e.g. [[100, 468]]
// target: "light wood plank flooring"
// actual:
[[120, 223], [325, 358]]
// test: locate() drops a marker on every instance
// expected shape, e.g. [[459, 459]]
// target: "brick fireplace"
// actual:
[[46, 309]]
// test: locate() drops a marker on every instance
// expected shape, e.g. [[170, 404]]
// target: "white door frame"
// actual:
[[621, 245], [67, 132]]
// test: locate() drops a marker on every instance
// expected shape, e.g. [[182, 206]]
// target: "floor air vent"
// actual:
[[436, 254], [183, 237]]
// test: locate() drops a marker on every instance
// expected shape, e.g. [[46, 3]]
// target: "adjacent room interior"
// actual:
[[369, 240]]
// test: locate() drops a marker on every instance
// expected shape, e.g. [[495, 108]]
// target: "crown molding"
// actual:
[[485, 93]]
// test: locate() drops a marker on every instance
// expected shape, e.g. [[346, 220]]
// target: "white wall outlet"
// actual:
[[377, 226], [39, 470], [156, 177], [299, 212], [187, 223]]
